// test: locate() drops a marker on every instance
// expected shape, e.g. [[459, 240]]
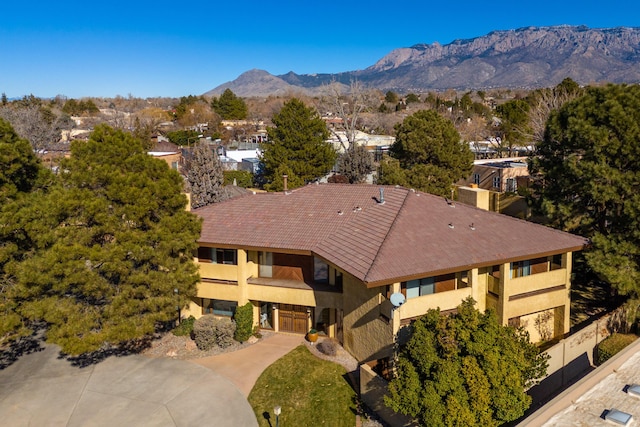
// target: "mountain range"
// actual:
[[527, 58]]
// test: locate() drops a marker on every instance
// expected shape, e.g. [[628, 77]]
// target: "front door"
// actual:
[[292, 318]]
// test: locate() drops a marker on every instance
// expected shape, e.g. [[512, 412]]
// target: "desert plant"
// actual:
[[328, 347], [244, 322], [185, 327], [612, 345], [210, 331]]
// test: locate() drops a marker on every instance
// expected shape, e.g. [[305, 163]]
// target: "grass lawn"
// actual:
[[311, 392]]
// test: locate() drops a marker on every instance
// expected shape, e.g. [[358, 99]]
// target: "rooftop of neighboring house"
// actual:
[[509, 162], [587, 402], [379, 234], [163, 146]]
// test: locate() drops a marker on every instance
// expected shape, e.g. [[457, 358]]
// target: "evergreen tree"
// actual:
[[20, 174], [587, 168], [298, 148], [391, 97], [514, 125], [107, 247], [431, 154], [204, 176], [355, 163], [229, 106], [464, 369], [19, 167]]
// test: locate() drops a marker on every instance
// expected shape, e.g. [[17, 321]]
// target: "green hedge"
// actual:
[[244, 322], [243, 179], [612, 345]]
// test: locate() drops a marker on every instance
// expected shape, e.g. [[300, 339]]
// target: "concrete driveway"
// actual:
[[40, 389]]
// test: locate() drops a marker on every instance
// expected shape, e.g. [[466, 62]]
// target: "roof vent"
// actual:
[[450, 225], [381, 200], [472, 226], [618, 417]]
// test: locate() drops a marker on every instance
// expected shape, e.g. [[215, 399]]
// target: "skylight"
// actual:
[[618, 417]]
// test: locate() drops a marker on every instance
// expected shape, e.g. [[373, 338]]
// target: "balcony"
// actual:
[[223, 272], [444, 300], [537, 282]]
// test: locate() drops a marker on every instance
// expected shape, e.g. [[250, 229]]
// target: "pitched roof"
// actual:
[[411, 234]]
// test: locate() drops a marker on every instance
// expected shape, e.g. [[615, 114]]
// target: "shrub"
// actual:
[[243, 179], [210, 331], [244, 322], [612, 345], [185, 327], [328, 347]]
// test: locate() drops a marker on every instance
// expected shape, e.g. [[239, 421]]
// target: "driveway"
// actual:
[[40, 389]]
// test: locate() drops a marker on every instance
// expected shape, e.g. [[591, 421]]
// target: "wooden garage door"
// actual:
[[292, 318]]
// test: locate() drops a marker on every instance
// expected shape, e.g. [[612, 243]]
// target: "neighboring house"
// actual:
[[499, 175], [369, 141], [330, 256], [169, 152]]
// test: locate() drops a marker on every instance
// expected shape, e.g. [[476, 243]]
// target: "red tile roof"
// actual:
[[411, 234]]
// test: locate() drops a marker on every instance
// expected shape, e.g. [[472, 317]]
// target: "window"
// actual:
[[512, 185], [217, 255], [520, 269], [420, 287], [226, 256], [174, 165], [476, 178], [265, 264], [219, 307], [496, 182], [556, 262], [320, 271]]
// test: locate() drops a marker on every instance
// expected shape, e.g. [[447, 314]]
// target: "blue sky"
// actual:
[[162, 48]]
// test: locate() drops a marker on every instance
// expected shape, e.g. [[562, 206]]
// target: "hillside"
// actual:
[[523, 58]]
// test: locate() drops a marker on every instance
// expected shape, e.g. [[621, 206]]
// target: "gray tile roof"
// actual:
[[412, 234]]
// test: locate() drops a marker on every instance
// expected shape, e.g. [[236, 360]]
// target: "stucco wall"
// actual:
[[367, 335]]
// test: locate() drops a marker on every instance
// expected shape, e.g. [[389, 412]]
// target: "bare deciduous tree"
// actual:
[[347, 105], [41, 130]]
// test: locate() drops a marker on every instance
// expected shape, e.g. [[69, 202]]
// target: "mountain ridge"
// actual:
[[527, 57]]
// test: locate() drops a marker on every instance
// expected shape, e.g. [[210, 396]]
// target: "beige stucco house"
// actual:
[[329, 256], [499, 175]]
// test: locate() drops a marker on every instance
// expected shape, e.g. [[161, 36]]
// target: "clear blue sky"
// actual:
[[176, 48]]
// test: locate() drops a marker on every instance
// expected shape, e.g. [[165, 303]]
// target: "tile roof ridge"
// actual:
[[390, 228]]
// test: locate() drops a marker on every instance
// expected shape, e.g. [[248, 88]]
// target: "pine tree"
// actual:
[[229, 106], [355, 163], [587, 168], [431, 154], [298, 147], [108, 245], [204, 176], [19, 167]]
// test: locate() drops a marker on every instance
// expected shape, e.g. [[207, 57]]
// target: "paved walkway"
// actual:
[[243, 367]]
